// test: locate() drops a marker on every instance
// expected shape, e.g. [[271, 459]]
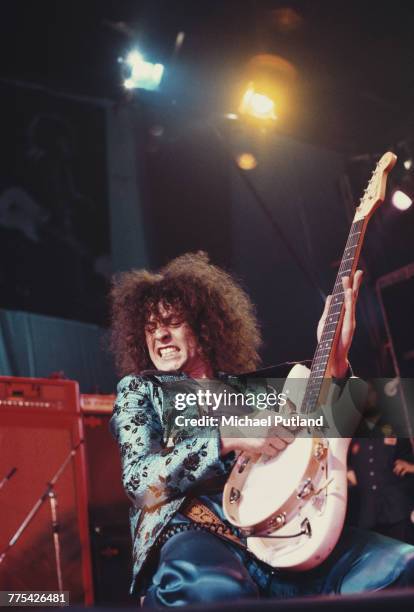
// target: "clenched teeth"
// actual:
[[168, 351]]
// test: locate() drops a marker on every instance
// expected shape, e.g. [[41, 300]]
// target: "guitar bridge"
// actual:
[[305, 489], [306, 528], [243, 464], [234, 495]]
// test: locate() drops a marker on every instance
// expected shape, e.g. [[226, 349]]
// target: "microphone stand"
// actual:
[[7, 477], [50, 494], [56, 541]]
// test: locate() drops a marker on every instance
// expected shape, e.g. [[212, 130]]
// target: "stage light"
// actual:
[[129, 84], [257, 105], [142, 74], [134, 58], [246, 161], [267, 90], [408, 163], [401, 200]]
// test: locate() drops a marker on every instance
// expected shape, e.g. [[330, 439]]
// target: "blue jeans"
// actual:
[[198, 567]]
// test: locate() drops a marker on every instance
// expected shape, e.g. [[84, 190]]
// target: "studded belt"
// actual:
[[202, 519]]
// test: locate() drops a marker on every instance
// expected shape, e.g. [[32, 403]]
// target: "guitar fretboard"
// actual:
[[324, 348]]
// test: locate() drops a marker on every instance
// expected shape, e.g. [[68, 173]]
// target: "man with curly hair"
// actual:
[[191, 325]]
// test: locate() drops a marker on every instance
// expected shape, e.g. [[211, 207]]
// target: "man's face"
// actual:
[[171, 342]]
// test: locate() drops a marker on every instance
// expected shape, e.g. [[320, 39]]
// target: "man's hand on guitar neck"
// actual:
[[339, 363]]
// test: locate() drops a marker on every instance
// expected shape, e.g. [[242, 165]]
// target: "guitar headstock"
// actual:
[[374, 194]]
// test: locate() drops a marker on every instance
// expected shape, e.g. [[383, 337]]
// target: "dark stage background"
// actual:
[[54, 243]]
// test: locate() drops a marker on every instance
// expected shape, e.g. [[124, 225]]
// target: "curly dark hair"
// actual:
[[217, 309]]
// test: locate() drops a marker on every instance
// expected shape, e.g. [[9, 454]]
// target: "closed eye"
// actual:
[[175, 322], [150, 328]]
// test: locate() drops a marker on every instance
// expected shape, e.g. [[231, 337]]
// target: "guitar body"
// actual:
[[266, 493]]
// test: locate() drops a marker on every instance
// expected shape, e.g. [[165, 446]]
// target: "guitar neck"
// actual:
[[373, 195], [330, 330]]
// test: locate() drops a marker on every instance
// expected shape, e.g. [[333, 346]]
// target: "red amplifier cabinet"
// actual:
[[40, 394], [108, 505], [40, 424], [97, 404]]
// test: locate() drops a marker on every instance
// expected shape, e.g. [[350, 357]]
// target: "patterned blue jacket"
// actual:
[[157, 476]]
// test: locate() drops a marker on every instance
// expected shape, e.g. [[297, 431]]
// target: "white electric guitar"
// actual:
[[292, 507]]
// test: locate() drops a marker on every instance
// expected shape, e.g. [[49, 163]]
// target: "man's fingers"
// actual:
[[348, 294], [325, 308], [277, 443], [279, 438], [349, 315], [323, 317], [349, 302], [270, 451], [357, 282], [350, 297], [279, 431], [345, 283]]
